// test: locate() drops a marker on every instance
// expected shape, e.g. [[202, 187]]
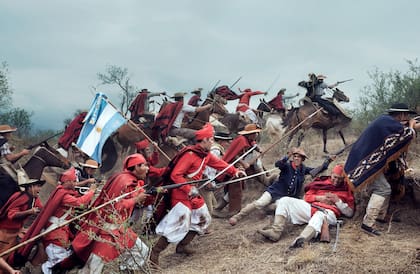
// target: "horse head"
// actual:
[[340, 96], [44, 156]]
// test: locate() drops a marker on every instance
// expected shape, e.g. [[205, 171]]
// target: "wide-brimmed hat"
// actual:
[[32, 182], [282, 90], [400, 107], [222, 136], [178, 95], [300, 151], [249, 129], [90, 163], [197, 90], [7, 128], [145, 90], [320, 76]]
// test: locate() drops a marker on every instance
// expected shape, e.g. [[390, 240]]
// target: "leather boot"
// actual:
[[235, 198], [274, 233], [159, 246], [372, 211], [183, 247], [306, 235], [244, 212]]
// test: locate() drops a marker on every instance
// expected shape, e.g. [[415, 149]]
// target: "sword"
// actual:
[[340, 82]]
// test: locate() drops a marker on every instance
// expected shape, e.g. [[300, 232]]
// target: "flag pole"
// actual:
[[140, 130]]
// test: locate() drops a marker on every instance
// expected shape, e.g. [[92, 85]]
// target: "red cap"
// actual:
[[206, 132], [134, 159], [68, 175], [339, 170], [142, 144]]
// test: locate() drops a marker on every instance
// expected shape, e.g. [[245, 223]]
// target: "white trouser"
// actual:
[[131, 259], [252, 116], [264, 200], [174, 230], [55, 255], [298, 212]]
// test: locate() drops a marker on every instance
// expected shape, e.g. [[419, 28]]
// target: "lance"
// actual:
[[136, 127], [52, 228], [230, 165], [235, 82], [45, 140], [272, 84], [215, 86], [244, 178], [284, 136]]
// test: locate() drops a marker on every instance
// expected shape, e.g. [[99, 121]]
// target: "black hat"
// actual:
[[222, 136], [400, 107]]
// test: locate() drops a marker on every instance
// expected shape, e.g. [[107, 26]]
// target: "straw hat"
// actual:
[[300, 152], [7, 128], [249, 129], [178, 95], [197, 91], [320, 76], [24, 180], [90, 163]]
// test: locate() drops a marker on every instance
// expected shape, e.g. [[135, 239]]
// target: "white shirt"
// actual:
[[178, 120]]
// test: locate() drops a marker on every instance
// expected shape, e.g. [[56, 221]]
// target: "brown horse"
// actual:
[[320, 120], [44, 156]]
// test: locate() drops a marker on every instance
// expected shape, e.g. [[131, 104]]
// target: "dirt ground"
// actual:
[[241, 249]]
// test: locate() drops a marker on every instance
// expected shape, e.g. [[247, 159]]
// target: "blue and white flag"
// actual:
[[100, 122]]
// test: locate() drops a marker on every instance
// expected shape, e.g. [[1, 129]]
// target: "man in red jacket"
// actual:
[[241, 144], [189, 215], [243, 104], [20, 206], [325, 198]]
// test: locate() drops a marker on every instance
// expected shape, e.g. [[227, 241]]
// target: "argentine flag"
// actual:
[[100, 122]]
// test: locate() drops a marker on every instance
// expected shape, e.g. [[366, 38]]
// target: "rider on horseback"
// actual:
[[315, 89], [140, 105], [278, 103], [7, 158], [243, 105]]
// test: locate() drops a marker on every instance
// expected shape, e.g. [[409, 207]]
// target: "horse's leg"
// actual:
[[324, 139], [342, 136]]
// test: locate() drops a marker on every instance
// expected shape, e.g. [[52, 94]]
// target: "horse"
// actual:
[[43, 156], [320, 120], [273, 121]]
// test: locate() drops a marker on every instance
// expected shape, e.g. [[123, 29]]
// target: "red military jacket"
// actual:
[[320, 187], [62, 236], [194, 100], [277, 102], [244, 99], [115, 237], [190, 166], [18, 202]]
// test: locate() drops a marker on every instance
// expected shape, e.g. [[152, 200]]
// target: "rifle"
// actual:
[[318, 169], [340, 82], [325, 230], [160, 189], [43, 141]]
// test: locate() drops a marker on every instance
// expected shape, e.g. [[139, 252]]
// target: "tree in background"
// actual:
[[388, 88], [119, 76], [13, 116]]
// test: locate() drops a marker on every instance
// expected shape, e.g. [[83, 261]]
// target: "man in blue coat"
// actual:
[[289, 183]]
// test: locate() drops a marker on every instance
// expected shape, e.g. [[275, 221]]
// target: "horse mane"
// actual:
[[288, 118]]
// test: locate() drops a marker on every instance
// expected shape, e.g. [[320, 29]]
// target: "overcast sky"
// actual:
[[56, 48]]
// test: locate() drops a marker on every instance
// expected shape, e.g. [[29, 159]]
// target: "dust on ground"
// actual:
[[240, 249]]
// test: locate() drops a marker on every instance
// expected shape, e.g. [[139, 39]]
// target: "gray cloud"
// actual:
[[55, 49]]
